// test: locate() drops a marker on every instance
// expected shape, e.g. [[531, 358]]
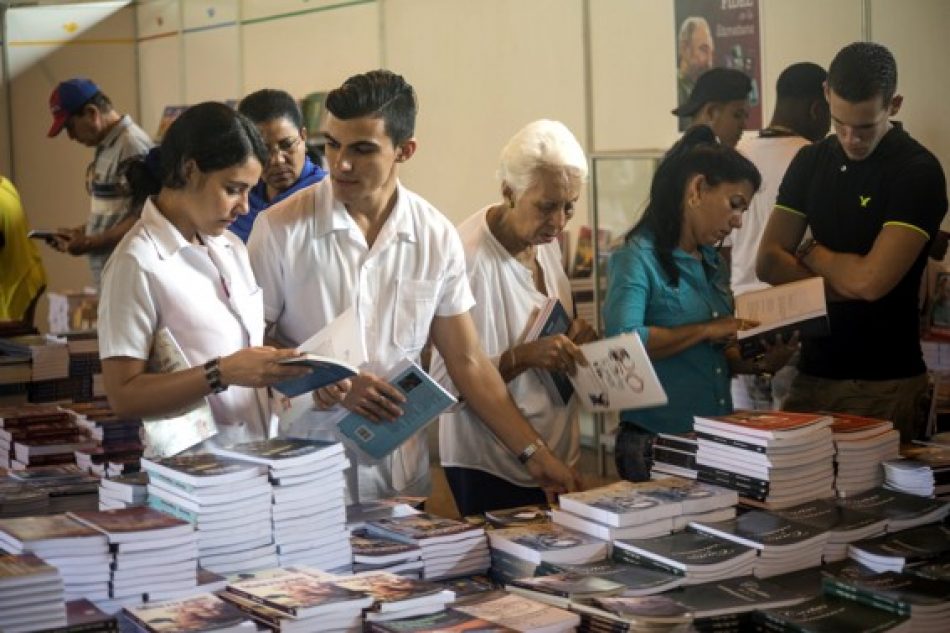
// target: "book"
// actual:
[[323, 371], [201, 469], [300, 595], [563, 588], [55, 533], [768, 425], [448, 621], [765, 531], [900, 550], [634, 611], [619, 375], [133, 524], [424, 528], [637, 580], [18, 570], [179, 430], [552, 319], [547, 542], [379, 550], [519, 613], [425, 400], [780, 310], [685, 552], [521, 515], [281, 452], [832, 615], [204, 612], [736, 595], [899, 509], [391, 592], [893, 591]]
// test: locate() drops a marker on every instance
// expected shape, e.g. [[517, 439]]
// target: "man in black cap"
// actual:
[[86, 113], [720, 100]]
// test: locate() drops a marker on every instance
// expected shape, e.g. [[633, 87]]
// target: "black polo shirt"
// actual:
[[847, 203]]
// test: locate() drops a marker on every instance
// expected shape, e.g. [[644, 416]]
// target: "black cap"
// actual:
[[717, 84]]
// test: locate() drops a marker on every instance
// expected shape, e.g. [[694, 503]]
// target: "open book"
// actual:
[[323, 371], [780, 310], [619, 376], [425, 400], [171, 434]]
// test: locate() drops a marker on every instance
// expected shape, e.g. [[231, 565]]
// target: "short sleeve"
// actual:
[[919, 197], [628, 292], [267, 264], [456, 295], [793, 192], [127, 315]]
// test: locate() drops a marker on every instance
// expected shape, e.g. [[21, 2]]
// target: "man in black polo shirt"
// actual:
[[873, 199]]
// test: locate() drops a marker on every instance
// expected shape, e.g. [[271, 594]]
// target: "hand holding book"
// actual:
[[371, 397]]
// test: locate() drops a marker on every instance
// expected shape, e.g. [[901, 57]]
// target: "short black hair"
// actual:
[[270, 104], [379, 94], [803, 80], [101, 101], [862, 71]]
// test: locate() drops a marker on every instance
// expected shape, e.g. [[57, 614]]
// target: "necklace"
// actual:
[[774, 131]]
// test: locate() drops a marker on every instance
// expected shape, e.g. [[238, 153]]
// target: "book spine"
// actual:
[[869, 598], [728, 441], [718, 476], [674, 457], [164, 506]]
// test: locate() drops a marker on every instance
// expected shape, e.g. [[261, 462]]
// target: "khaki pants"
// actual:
[[901, 401]]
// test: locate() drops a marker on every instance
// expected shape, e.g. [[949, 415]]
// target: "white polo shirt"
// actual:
[[205, 295], [505, 303], [313, 262]]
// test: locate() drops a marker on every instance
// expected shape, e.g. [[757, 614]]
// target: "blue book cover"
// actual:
[[323, 371], [556, 321], [425, 400]]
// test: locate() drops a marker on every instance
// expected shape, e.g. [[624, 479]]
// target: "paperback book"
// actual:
[[618, 376]]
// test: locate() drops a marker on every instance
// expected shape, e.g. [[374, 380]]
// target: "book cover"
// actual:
[[645, 609], [17, 569], [831, 615], [388, 588], [281, 452], [517, 516], [826, 515], [767, 424], [425, 400], [736, 595], [448, 621], [636, 579], [780, 310], [619, 375], [682, 552], [132, 523], [902, 549], [552, 319], [171, 434], [900, 592], [520, 613], [895, 506], [761, 530], [547, 542], [423, 527], [323, 371], [205, 612], [201, 469], [568, 585], [299, 594], [375, 549]]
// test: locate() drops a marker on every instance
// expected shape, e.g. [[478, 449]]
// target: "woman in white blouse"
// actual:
[[179, 272], [514, 265]]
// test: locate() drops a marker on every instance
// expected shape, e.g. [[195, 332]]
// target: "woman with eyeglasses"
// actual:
[[288, 169], [669, 284], [179, 275]]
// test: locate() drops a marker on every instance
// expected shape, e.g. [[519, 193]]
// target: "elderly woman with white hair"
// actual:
[[513, 263]]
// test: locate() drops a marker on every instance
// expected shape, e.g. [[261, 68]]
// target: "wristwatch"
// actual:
[[530, 450], [805, 247]]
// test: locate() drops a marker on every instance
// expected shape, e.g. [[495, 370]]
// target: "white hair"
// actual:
[[541, 144]]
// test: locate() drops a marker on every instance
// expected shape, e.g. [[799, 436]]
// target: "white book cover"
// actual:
[[619, 375], [171, 434]]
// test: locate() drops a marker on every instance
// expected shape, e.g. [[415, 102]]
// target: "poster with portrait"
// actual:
[[718, 34]]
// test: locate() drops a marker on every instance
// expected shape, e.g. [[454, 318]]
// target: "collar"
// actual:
[[330, 214], [166, 238], [709, 254], [309, 175], [117, 130]]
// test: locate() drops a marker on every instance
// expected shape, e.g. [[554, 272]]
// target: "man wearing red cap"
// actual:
[[87, 115]]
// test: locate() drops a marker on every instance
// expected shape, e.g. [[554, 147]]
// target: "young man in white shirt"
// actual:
[[359, 238]]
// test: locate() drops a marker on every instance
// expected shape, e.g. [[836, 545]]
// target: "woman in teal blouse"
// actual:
[[669, 284]]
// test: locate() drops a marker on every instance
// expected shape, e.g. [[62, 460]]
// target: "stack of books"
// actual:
[[519, 613], [123, 491], [31, 594], [675, 454], [521, 515], [39, 436], [861, 444], [49, 355], [20, 499], [66, 487], [694, 556], [119, 445], [449, 548], [298, 600], [308, 529], [202, 612], [727, 606], [153, 554], [783, 546], [15, 372], [73, 310], [637, 580], [396, 597], [774, 459], [642, 510], [900, 510], [843, 525], [518, 551], [925, 600], [827, 613], [229, 502], [922, 470], [359, 514], [372, 552], [903, 550], [79, 552]]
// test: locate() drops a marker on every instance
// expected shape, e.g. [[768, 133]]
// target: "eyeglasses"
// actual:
[[285, 146]]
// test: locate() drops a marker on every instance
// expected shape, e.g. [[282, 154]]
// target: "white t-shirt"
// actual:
[[205, 295], [505, 303], [772, 156], [313, 262]]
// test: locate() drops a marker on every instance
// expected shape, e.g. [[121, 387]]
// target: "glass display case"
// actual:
[[620, 187]]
